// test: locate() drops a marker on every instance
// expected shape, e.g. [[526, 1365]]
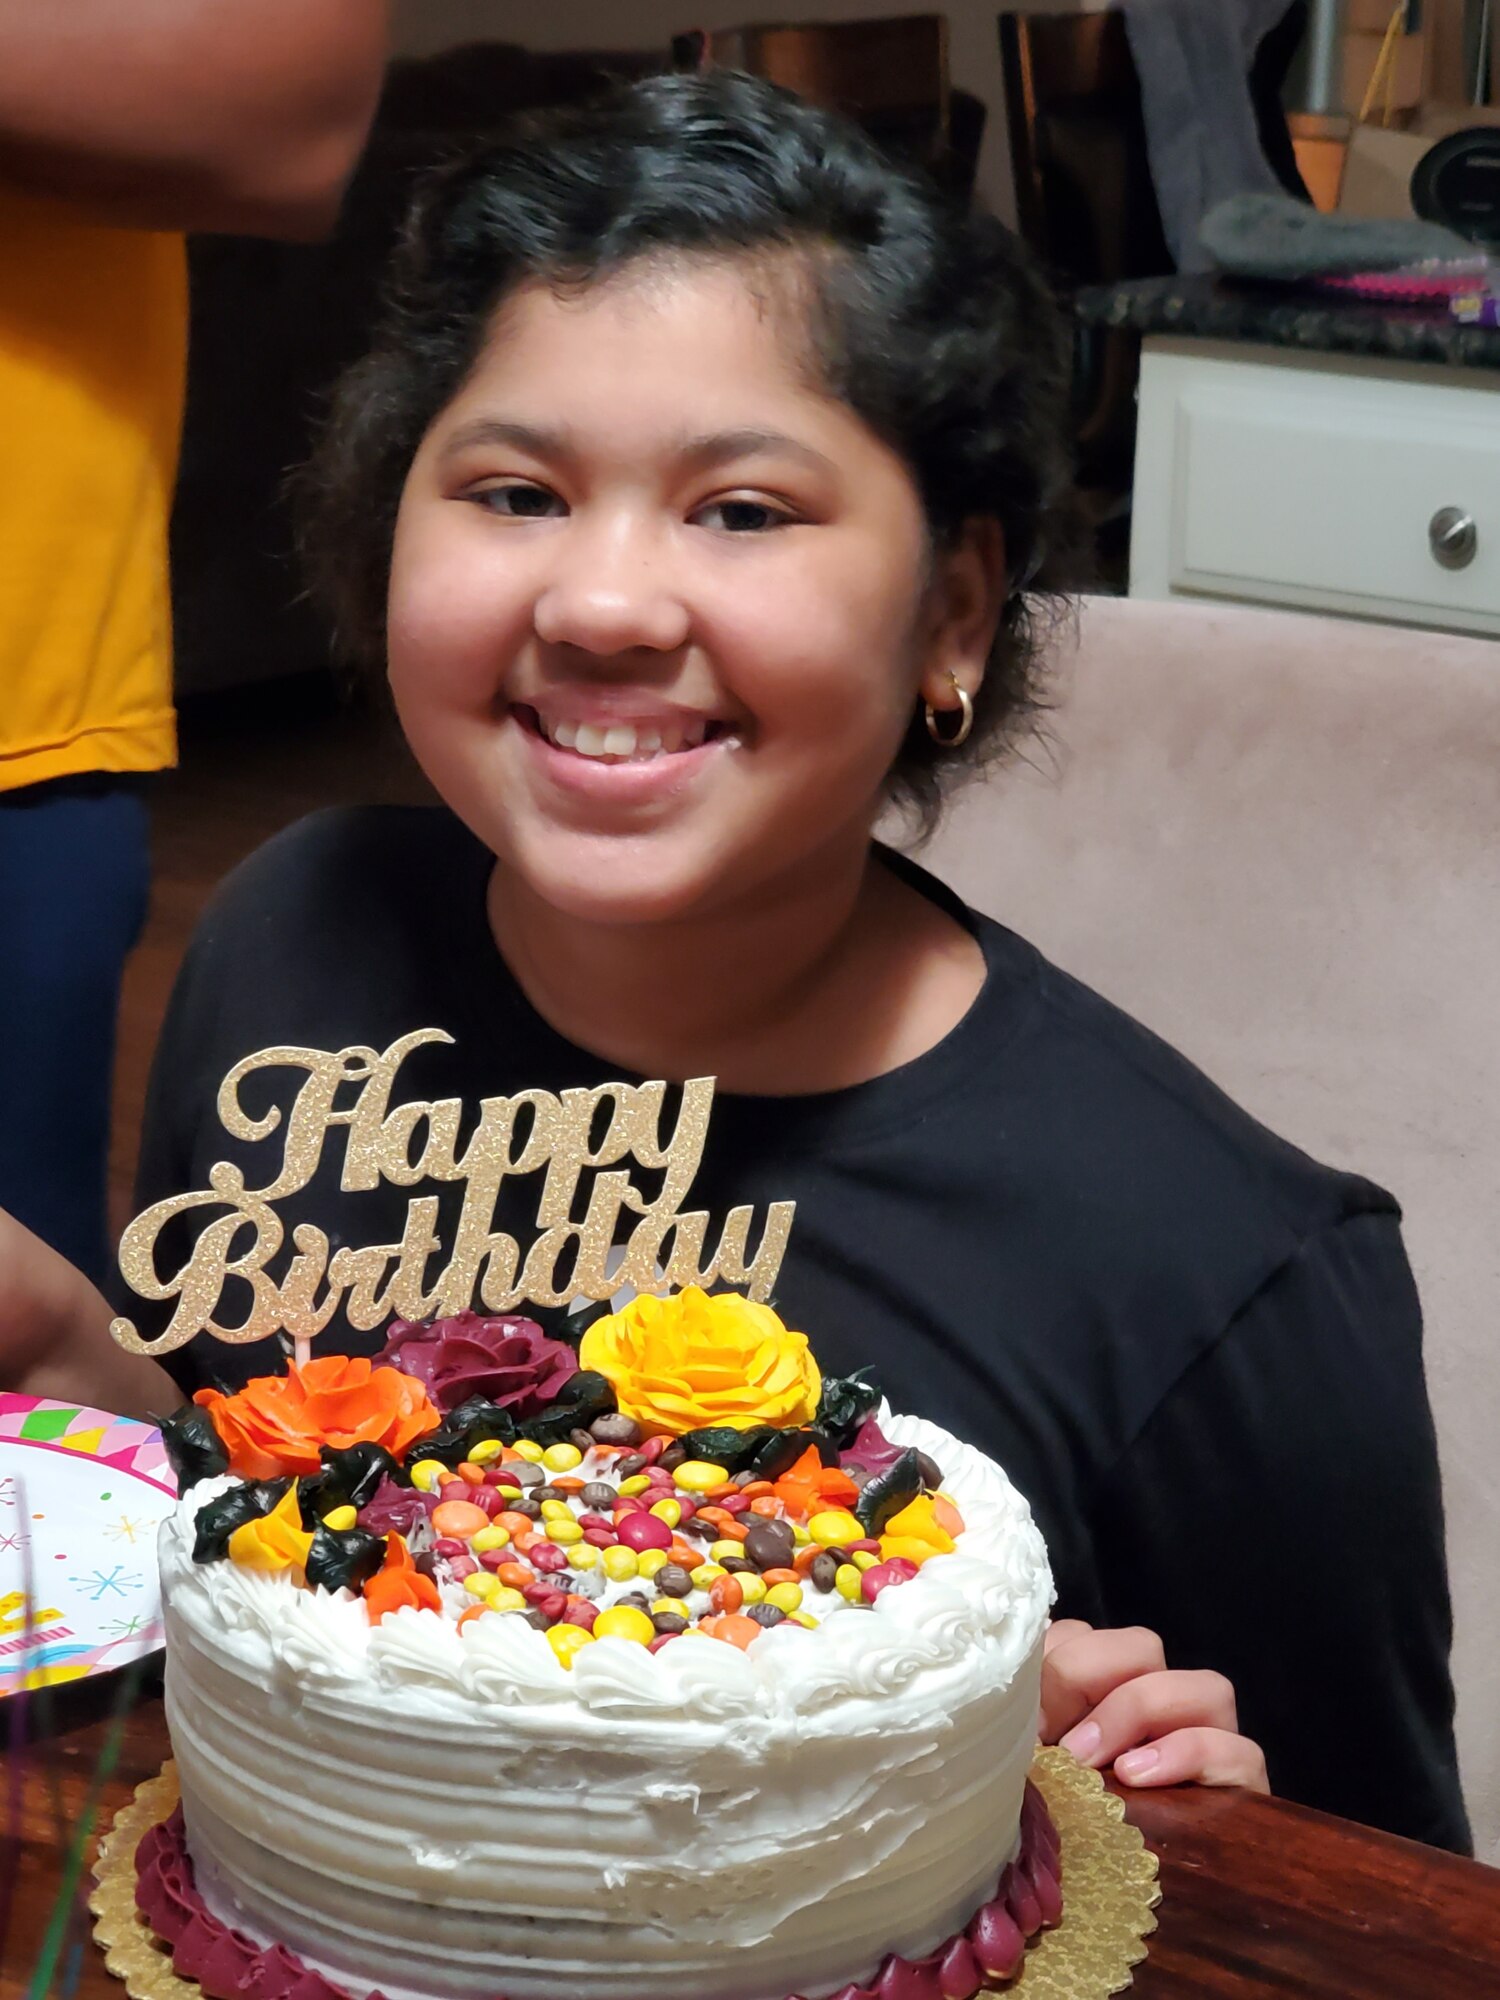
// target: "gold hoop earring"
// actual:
[[966, 712]]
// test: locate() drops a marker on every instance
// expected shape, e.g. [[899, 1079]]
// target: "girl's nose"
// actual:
[[610, 591]]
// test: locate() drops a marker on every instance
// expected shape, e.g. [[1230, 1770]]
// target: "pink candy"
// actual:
[[882, 1575], [640, 1531]]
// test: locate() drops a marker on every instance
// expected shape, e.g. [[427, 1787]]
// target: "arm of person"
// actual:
[[190, 114], [54, 1335], [1279, 1523]]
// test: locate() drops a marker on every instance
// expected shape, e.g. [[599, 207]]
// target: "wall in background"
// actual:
[[422, 27]]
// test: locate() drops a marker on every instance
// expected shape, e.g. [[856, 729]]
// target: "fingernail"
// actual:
[[1135, 1762], [1083, 1741]]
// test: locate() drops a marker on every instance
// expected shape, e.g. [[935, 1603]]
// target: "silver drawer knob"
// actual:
[[1452, 537]]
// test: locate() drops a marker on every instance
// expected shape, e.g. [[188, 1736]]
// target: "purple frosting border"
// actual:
[[230, 1966]]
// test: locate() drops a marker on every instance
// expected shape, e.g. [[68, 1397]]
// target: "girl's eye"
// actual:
[[521, 502], [743, 517]]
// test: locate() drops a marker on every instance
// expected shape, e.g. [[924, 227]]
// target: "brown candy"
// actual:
[[672, 1580], [769, 1545]]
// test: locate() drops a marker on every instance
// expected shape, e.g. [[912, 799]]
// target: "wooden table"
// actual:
[[1260, 1900]]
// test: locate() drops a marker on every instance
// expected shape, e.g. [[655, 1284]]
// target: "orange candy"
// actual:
[[726, 1593], [767, 1506], [459, 1518], [516, 1576], [732, 1627], [770, 1576], [467, 1617], [514, 1524], [758, 1489], [565, 1483], [471, 1475]]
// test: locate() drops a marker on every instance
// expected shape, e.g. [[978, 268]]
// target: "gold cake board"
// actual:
[[1110, 1890]]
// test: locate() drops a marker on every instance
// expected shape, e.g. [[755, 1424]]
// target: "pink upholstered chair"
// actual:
[[1275, 839]]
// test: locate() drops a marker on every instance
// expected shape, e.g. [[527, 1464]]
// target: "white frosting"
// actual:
[[440, 1813]]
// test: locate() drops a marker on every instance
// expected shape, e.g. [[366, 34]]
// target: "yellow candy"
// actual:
[[619, 1563], [486, 1451], [911, 1546], [752, 1588], [786, 1597], [705, 1573], [583, 1555], [670, 1605], [622, 1621], [668, 1511], [804, 1619], [847, 1582], [567, 1641], [637, 1483], [556, 1510], [699, 1475], [799, 1534], [836, 1524], [479, 1583], [564, 1533], [562, 1457], [427, 1472], [528, 1449], [340, 1519], [505, 1599], [491, 1537], [649, 1561], [718, 1550], [862, 1559]]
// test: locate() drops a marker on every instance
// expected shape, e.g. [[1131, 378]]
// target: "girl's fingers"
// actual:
[[1152, 1706], [1061, 1630], [1196, 1757], [1081, 1669]]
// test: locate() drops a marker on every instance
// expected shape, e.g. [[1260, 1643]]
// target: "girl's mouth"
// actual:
[[622, 742]]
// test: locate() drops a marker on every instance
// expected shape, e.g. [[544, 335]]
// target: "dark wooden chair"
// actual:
[[891, 76], [1084, 195]]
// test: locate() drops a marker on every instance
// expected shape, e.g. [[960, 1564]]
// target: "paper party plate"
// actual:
[[82, 1494]]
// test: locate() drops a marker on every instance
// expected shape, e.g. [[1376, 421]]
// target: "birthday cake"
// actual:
[[659, 1668]]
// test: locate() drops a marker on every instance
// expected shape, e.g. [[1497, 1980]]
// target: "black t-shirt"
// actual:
[[1196, 1352]]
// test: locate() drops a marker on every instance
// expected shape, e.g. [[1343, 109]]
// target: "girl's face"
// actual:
[[660, 610]]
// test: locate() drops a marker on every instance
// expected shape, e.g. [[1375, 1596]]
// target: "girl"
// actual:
[[700, 496]]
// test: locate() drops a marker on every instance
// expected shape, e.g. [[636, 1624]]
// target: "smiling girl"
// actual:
[[699, 497]]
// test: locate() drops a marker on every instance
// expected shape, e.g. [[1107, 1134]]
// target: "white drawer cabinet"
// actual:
[[1328, 482]]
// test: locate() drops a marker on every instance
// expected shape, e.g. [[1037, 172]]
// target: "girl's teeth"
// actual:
[[621, 740]]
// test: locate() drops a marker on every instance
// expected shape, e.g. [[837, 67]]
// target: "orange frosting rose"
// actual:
[[685, 1362], [277, 1423], [399, 1582]]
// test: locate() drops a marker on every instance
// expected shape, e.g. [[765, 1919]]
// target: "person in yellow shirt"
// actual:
[[121, 128]]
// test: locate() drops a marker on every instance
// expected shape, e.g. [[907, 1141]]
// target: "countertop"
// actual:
[[1210, 308]]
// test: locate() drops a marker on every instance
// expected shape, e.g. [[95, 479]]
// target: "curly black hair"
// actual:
[[930, 320]]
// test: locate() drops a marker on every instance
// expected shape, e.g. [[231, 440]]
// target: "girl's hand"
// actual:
[[1111, 1699]]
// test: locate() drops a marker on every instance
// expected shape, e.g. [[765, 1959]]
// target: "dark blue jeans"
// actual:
[[74, 876]]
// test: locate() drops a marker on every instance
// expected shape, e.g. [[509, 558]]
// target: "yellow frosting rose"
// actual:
[[276, 1541], [685, 1362]]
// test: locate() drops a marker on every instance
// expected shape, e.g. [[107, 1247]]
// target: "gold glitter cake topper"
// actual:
[[419, 1141]]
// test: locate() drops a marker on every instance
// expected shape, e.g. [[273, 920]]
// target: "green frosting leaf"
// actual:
[[219, 1517], [342, 1559], [348, 1478], [193, 1445], [888, 1492], [845, 1403]]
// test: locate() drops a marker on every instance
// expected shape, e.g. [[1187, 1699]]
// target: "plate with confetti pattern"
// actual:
[[82, 1494]]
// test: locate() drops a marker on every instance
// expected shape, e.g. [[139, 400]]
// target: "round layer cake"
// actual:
[[614, 1783]]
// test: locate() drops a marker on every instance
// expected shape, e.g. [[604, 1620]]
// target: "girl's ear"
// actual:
[[965, 599]]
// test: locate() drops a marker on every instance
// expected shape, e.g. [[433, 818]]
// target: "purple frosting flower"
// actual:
[[396, 1510], [508, 1360], [870, 1449]]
